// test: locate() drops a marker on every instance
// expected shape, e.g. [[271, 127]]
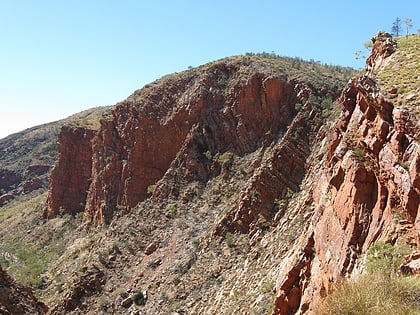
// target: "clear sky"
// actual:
[[60, 57]]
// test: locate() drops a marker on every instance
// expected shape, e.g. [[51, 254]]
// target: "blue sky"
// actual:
[[61, 57]]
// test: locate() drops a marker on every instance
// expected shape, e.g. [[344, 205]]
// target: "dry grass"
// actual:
[[375, 294], [380, 291], [28, 245], [401, 74]]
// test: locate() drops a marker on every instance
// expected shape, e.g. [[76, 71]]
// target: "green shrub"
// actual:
[[151, 188], [171, 207], [326, 103], [223, 157], [229, 239], [139, 298], [385, 258], [359, 152], [208, 155], [176, 280]]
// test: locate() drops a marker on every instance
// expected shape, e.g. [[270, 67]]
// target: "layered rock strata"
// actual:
[[369, 176], [71, 176], [229, 106]]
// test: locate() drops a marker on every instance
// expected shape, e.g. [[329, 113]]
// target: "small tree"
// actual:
[[368, 45], [408, 22], [396, 27], [359, 54]]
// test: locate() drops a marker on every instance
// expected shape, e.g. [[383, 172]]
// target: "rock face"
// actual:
[[411, 264], [369, 174], [17, 299], [179, 120], [138, 148], [14, 183], [70, 179], [9, 180]]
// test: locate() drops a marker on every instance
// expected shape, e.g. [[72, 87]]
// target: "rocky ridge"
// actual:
[[231, 106], [235, 188], [185, 151], [368, 177], [27, 157]]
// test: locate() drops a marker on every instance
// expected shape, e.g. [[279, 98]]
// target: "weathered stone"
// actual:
[[127, 302], [411, 264], [18, 299], [177, 130], [370, 171], [151, 248], [135, 146], [71, 175], [37, 169], [5, 198], [31, 185], [9, 179]]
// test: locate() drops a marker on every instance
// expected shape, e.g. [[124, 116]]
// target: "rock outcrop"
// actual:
[[227, 107], [9, 180], [71, 177], [17, 299], [27, 157], [13, 183], [89, 283], [139, 144], [369, 175]]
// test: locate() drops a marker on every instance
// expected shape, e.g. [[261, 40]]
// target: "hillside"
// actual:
[[26, 157], [249, 185]]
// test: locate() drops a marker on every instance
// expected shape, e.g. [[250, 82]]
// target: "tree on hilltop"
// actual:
[[396, 27], [408, 22]]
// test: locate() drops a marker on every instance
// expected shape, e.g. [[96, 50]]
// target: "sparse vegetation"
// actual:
[[195, 268], [229, 239], [359, 152], [380, 291], [396, 27], [171, 207], [208, 155], [151, 188], [399, 78], [223, 157], [374, 294], [386, 258], [408, 23]]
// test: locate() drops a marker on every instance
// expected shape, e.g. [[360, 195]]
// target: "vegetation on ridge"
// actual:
[[400, 77], [37, 145]]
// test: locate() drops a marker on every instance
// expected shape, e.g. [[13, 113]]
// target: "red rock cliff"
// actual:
[[369, 174], [311, 199], [70, 178], [227, 106], [135, 148]]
